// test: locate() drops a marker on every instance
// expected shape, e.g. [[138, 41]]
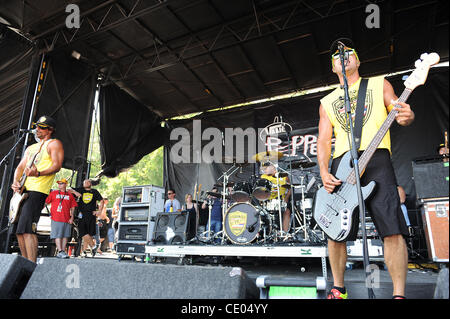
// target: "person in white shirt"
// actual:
[[172, 204]]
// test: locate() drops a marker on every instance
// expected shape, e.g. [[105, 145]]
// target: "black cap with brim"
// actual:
[[45, 120], [346, 41], [440, 146]]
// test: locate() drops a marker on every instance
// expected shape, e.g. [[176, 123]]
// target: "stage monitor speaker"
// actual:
[[91, 279], [430, 177], [15, 271], [173, 228]]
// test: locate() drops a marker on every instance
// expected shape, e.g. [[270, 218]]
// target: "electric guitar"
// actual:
[[19, 197], [334, 213]]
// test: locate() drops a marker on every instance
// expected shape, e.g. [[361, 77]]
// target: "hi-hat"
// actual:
[[267, 156], [217, 195]]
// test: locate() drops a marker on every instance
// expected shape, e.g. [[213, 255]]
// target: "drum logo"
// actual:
[[237, 222]]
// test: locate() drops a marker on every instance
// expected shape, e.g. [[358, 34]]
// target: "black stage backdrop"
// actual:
[[128, 130], [429, 102], [68, 96]]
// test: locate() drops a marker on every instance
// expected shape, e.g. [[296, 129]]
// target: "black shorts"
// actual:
[[87, 225], [30, 213], [383, 206]]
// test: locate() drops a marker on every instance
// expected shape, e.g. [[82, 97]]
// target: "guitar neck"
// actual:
[[370, 150]]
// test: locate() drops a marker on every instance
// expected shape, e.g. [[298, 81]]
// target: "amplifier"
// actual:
[[134, 213], [133, 232], [430, 177], [435, 223]]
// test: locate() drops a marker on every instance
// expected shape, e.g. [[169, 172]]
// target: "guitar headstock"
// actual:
[[423, 65]]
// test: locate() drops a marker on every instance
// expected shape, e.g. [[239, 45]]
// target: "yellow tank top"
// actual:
[[374, 115], [273, 180], [43, 161]]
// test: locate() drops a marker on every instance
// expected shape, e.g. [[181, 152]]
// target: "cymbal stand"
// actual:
[[225, 177]]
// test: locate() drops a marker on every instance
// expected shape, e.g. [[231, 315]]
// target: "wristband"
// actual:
[[39, 174]]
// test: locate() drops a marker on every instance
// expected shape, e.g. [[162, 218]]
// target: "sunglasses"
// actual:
[[43, 127], [170, 193]]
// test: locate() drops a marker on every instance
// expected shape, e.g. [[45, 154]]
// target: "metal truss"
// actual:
[[160, 54]]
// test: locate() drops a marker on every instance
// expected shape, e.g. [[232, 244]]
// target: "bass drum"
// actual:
[[242, 223]]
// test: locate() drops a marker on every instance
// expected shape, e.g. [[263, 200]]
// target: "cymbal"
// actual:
[[303, 164], [229, 184], [267, 156]]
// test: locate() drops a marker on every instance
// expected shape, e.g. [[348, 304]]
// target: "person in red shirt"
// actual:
[[62, 206]]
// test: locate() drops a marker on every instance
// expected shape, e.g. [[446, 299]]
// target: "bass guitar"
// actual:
[[335, 212]]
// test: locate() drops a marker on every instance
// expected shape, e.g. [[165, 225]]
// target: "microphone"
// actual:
[[23, 130]]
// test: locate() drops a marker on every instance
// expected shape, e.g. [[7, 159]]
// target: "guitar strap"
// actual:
[[359, 112]]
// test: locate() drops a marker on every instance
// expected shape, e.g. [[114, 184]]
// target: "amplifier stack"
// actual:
[[140, 205]]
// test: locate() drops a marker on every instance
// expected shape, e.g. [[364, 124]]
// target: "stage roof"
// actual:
[[184, 56]]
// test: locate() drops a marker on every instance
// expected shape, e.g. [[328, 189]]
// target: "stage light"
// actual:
[[76, 55]]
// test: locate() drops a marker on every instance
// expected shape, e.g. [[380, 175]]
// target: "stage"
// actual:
[[420, 283]]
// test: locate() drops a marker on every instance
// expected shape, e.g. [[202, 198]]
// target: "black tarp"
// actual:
[[128, 130], [68, 97], [429, 102]]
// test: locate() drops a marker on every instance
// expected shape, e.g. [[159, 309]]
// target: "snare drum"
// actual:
[[241, 192], [275, 205], [262, 189]]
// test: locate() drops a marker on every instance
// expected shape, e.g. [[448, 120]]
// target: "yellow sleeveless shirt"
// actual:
[[43, 161], [374, 115]]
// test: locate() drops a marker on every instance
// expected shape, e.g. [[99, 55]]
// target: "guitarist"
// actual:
[[384, 204], [39, 179]]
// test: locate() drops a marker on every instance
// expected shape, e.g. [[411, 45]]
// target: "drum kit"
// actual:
[[253, 209]]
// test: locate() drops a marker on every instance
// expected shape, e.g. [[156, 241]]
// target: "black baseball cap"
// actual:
[[46, 121]]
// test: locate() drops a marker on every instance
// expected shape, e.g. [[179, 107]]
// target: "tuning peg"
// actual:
[[424, 56], [417, 63]]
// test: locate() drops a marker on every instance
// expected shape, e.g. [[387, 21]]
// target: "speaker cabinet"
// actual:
[[430, 177], [15, 271], [173, 228], [91, 279]]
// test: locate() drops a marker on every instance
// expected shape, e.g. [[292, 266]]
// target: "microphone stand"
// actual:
[[2, 189], [354, 157]]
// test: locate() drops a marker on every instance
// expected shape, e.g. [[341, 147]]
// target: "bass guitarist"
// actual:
[[384, 205], [39, 179]]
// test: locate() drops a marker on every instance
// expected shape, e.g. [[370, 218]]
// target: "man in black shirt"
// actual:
[[87, 207]]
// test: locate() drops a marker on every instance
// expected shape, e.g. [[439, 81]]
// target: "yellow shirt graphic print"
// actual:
[[87, 197], [374, 115]]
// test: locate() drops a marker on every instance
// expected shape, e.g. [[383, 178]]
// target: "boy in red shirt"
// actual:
[[62, 206]]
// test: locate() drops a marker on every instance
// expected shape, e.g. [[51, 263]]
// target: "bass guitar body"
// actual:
[[15, 206]]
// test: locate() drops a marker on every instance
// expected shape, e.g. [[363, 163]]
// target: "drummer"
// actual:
[[270, 174]]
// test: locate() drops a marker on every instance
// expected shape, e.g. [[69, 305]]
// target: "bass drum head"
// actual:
[[242, 223]]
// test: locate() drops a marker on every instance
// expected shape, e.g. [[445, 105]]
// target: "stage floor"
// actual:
[[420, 284]]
